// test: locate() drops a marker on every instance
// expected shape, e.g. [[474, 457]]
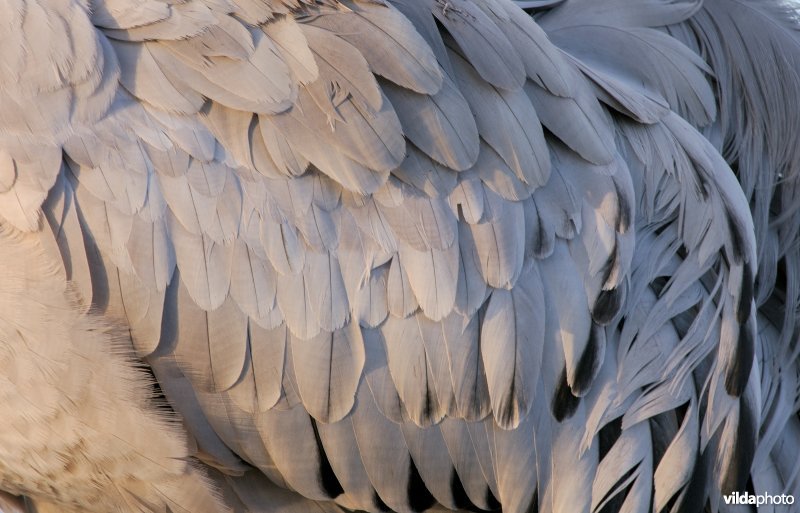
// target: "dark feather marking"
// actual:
[[614, 505], [744, 448], [539, 250], [564, 403], [330, 483], [460, 497], [462, 500], [670, 504], [693, 497], [508, 410], [533, 507], [380, 504], [606, 306], [625, 214], [680, 412], [738, 374], [429, 398], [662, 430], [745, 296], [736, 240], [491, 501], [610, 265], [588, 363], [608, 436], [419, 498], [751, 489], [168, 341]]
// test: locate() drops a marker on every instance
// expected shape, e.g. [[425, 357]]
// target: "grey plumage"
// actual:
[[398, 255]]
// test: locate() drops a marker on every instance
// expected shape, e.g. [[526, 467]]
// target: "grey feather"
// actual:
[[385, 461], [511, 334], [398, 255], [441, 125], [508, 122], [433, 276], [328, 370], [414, 370], [389, 44], [483, 43]]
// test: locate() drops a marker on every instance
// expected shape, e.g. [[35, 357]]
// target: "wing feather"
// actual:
[[328, 369], [412, 370], [441, 125], [508, 122], [389, 43], [386, 462], [205, 265], [433, 276], [462, 341], [511, 335], [483, 43]]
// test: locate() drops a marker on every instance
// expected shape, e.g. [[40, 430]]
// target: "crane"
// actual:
[[399, 255]]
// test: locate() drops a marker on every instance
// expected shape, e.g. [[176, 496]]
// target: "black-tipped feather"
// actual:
[[589, 361], [744, 307], [564, 403], [330, 483], [737, 474], [739, 372], [419, 497], [607, 306]]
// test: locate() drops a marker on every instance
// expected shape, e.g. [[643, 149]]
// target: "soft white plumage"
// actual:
[[290, 256]]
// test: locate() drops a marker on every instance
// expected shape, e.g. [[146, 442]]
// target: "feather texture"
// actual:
[[328, 367], [395, 255]]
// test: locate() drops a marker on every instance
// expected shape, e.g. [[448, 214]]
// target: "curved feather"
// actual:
[[398, 256], [328, 369]]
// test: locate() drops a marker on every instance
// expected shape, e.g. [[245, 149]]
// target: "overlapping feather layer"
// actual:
[[403, 253]]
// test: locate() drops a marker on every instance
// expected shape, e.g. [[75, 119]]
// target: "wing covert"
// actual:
[[392, 254]]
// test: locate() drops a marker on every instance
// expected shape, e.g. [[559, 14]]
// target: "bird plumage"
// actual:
[[273, 255]]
